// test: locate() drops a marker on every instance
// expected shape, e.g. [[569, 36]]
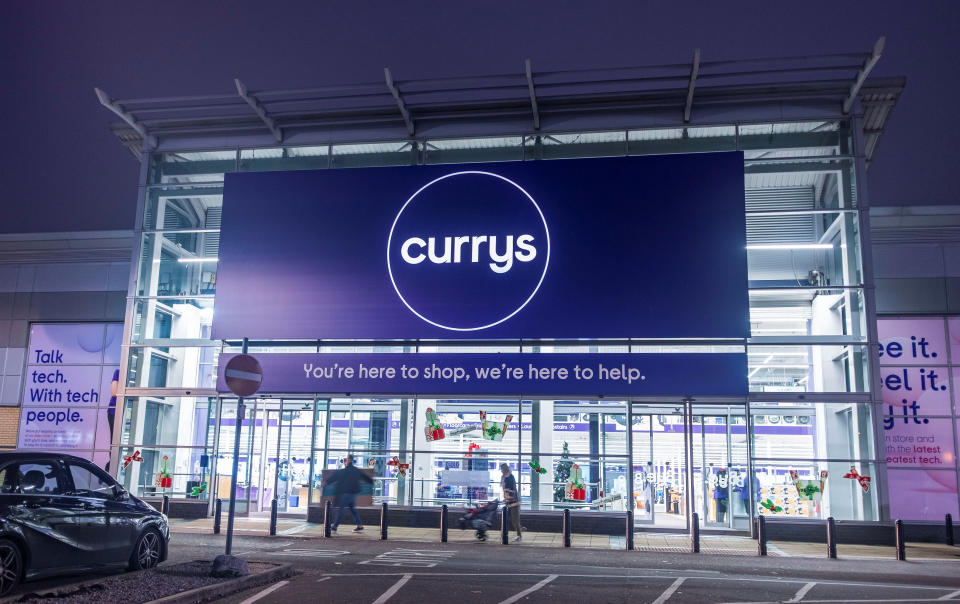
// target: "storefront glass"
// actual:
[[807, 334]]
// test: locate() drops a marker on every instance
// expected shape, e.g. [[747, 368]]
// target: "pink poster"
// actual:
[[923, 390], [912, 341], [919, 442], [922, 494]]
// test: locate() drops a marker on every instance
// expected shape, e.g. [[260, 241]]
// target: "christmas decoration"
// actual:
[[863, 480], [576, 490], [809, 490], [494, 430], [164, 477], [372, 463], [770, 505], [536, 467], [401, 467], [561, 473], [433, 428], [196, 491], [473, 447], [128, 459]]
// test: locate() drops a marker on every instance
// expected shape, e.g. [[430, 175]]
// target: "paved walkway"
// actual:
[[643, 541]]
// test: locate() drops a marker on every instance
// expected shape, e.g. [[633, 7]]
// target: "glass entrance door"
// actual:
[[659, 466], [275, 455], [710, 442], [720, 473], [290, 427]]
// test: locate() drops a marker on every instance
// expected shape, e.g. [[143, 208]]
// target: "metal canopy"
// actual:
[[607, 99]]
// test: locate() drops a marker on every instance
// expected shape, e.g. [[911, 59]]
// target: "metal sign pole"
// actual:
[[241, 412]]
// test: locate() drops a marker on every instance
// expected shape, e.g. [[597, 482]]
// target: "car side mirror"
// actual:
[[123, 495]]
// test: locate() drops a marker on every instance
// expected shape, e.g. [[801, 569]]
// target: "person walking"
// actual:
[[511, 498], [346, 483]]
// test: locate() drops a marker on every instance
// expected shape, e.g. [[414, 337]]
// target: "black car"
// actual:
[[62, 514]]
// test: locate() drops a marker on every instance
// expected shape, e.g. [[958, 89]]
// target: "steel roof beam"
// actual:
[[533, 96], [107, 102], [694, 70], [862, 74], [396, 96], [258, 108]]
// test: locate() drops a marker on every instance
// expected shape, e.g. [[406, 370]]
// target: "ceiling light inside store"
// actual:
[[790, 246], [197, 259]]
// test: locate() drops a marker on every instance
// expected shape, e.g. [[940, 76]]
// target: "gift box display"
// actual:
[[164, 477], [494, 430], [433, 428], [576, 489]]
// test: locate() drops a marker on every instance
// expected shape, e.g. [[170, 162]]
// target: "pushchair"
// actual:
[[480, 518]]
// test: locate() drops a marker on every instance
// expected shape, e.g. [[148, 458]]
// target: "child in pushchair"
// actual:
[[480, 518]]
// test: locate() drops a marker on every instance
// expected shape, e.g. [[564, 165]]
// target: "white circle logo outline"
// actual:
[[420, 190]]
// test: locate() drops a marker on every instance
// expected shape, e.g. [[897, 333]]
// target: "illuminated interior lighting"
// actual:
[[197, 259], [790, 246]]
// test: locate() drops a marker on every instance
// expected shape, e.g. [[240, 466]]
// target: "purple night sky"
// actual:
[[63, 170]]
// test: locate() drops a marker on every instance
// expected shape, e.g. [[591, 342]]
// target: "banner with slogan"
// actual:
[[535, 374]]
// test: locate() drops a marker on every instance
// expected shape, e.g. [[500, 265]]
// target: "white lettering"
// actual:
[[458, 245], [519, 248], [405, 250], [432, 251], [506, 258], [529, 252], [476, 240]]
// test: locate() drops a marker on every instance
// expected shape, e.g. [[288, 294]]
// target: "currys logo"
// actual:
[[468, 251]]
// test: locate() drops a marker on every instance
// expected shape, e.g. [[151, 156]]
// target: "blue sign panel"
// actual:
[[521, 374], [642, 247]]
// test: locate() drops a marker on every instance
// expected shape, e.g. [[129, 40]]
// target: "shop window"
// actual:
[[816, 490], [178, 472]]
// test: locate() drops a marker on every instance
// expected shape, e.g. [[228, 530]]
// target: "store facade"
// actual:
[[764, 408]]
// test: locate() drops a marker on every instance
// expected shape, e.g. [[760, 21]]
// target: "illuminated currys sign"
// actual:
[[618, 247], [468, 266]]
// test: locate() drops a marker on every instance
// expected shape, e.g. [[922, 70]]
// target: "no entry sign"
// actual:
[[243, 375]]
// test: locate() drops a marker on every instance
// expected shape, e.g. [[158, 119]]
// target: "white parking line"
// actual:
[[950, 596], [396, 587], [801, 592], [529, 590], [669, 591], [265, 592]]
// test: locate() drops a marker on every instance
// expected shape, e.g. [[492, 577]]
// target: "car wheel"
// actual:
[[11, 566], [146, 554]]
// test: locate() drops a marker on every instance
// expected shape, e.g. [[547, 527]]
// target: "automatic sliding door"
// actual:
[[720, 475], [659, 465]]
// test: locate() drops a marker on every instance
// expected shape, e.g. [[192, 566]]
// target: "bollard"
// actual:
[[695, 533], [505, 526], [443, 523], [948, 521], [761, 535], [217, 506], [566, 528], [831, 537], [629, 530], [383, 521], [901, 541], [165, 506], [273, 516], [327, 518]]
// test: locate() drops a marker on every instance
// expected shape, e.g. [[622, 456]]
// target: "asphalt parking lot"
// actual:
[[349, 569]]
